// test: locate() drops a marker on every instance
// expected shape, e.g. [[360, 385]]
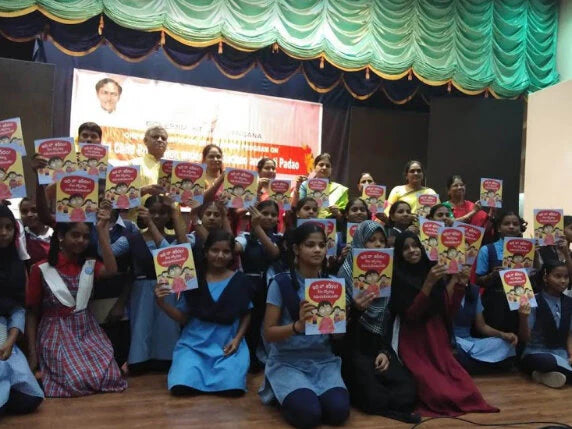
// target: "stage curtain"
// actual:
[[506, 46]]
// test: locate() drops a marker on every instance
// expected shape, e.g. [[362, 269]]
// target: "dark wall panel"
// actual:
[[382, 141], [475, 137], [27, 90]]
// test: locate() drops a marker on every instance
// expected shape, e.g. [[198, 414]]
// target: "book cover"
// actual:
[[517, 288], [452, 248], [123, 187], [372, 271], [428, 234], [329, 227], [279, 191], [491, 193], [328, 297], [318, 190], [175, 267], [11, 133], [165, 171], [92, 158], [61, 157], [425, 202], [518, 252], [188, 182], [76, 198], [374, 196], [351, 229], [240, 186], [12, 184], [548, 226], [473, 240]]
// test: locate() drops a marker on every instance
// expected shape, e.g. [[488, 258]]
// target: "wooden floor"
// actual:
[[147, 404]]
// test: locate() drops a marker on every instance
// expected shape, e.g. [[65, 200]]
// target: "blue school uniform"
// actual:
[[489, 349], [198, 359], [301, 361], [550, 336], [153, 333], [15, 373]]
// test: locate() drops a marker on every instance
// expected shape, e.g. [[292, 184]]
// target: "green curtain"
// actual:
[[507, 46]]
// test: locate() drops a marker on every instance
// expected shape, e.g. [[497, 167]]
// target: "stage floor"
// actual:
[[147, 404]]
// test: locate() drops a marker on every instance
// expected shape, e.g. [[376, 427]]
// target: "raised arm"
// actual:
[[109, 263], [174, 313]]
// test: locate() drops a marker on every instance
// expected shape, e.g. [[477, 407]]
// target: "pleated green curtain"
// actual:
[[507, 46]]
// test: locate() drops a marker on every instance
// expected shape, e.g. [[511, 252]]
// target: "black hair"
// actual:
[[567, 220], [506, 213], [435, 208], [549, 266], [452, 178], [352, 202], [154, 199], [296, 237], [208, 148], [363, 174], [26, 200], [60, 230], [105, 81], [393, 209], [268, 203], [90, 126], [261, 163], [322, 156], [408, 165], [216, 236]]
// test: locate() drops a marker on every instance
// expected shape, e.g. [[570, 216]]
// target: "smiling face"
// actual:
[[108, 96], [323, 168], [510, 227], [441, 214], [29, 214], [76, 239], [325, 309], [414, 174], [357, 212], [457, 189], [376, 241], [411, 251], [269, 218], [312, 250], [156, 141], [213, 159], [76, 201], [268, 170]]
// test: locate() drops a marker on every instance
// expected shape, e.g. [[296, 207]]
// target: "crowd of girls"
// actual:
[[86, 298]]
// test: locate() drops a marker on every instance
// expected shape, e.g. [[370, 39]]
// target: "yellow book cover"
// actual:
[[77, 198], [452, 248], [11, 133], [329, 227], [60, 154], [517, 288], [372, 271], [12, 183], [351, 229], [165, 170], [425, 202], [317, 188], [240, 187], [428, 232], [175, 267], [491, 193], [548, 226], [518, 252], [473, 240], [328, 298], [188, 182], [123, 187], [374, 196], [279, 191], [92, 158]]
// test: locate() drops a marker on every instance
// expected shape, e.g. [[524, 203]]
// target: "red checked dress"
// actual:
[[74, 354]]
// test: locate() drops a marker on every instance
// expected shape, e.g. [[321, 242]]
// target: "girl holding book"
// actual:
[[301, 373], [20, 393], [413, 188], [266, 168], [38, 234], [211, 354], [378, 383], [426, 301], [68, 346], [441, 213], [547, 330], [560, 252], [400, 219], [337, 194], [356, 212], [496, 311]]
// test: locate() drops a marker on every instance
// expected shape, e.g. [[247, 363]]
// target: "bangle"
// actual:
[[296, 332]]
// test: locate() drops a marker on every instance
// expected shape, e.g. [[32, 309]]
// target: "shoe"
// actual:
[[552, 379]]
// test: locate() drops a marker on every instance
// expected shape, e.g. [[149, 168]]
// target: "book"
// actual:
[[60, 154], [317, 189], [425, 202], [428, 234], [452, 248], [328, 298], [491, 193], [122, 186], [188, 182], [518, 252], [241, 187], [517, 288], [372, 271], [165, 171], [374, 196], [473, 240], [12, 184], [76, 197], [329, 227], [175, 267], [92, 158], [548, 226], [11, 133], [351, 229], [279, 191]]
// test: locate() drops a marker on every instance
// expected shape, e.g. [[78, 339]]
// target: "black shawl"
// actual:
[[12, 270]]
